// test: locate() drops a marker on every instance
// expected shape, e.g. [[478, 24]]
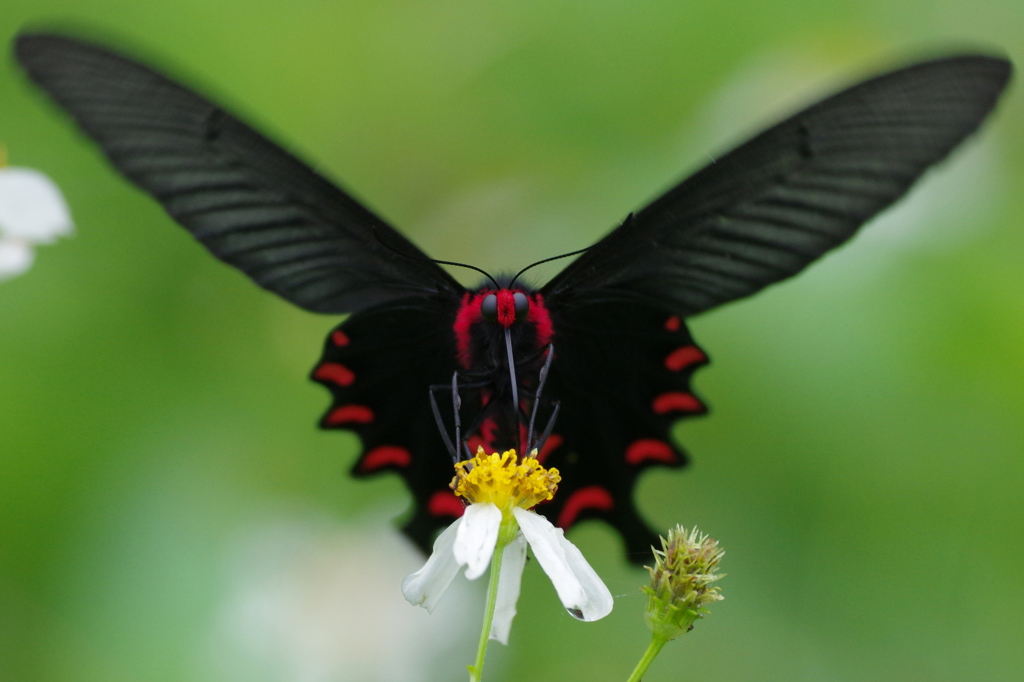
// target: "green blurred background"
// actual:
[[169, 512]]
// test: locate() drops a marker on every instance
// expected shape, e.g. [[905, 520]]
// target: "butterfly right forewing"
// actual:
[[765, 210]]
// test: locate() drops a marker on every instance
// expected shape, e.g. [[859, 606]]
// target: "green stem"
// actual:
[[652, 650], [476, 670]]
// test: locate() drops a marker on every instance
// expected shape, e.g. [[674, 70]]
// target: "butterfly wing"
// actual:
[[765, 210], [378, 365], [258, 208], [252, 204], [622, 375], [757, 215]]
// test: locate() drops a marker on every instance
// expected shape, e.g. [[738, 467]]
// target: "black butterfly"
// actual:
[[610, 325]]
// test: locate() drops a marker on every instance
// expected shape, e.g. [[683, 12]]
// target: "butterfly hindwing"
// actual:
[[378, 365], [622, 375]]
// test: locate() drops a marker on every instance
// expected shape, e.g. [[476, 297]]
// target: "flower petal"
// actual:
[[16, 258], [476, 538], [32, 207], [599, 600], [513, 559], [426, 586], [580, 589]]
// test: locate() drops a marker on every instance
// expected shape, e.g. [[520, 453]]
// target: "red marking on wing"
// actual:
[[541, 320], [484, 437], [591, 497], [553, 441], [506, 308], [649, 449], [474, 443], [444, 503], [335, 373], [383, 456], [339, 338], [465, 318], [349, 414], [489, 432], [677, 401], [672, 324], [683, 357]]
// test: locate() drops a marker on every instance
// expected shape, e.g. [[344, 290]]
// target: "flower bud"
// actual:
[[682, 582]]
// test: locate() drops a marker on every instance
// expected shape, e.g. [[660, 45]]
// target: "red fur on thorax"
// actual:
[[541, 320], [506, 308], [465, 318], [469, 315]]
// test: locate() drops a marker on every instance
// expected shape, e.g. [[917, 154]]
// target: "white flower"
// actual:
[[502, 493], [32, 211]]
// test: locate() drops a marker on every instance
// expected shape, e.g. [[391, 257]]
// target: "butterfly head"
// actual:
[[505, 307], [486, 315]]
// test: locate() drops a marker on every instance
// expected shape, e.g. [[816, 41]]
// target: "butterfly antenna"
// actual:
[[546, 260], [413, 256]]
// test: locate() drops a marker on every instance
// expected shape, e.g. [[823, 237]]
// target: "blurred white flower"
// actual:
[[32, 212], [311, 600]]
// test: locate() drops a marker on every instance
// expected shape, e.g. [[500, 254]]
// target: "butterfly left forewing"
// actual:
[[250, 202]]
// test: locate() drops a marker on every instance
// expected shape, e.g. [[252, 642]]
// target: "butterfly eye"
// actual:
[[489, 308], [522, 305]]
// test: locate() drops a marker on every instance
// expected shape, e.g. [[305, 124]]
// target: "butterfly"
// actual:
[[600, 354]]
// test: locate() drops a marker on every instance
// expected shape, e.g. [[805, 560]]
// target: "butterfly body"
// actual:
[[646, 364], [610, 327]]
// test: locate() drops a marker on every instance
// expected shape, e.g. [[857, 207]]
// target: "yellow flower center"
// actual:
[[505, 481]]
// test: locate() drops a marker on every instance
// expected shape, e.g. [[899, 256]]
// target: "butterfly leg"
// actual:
[[457, 407], [539, 445], [458, 444], [536, 397], [456, 403]]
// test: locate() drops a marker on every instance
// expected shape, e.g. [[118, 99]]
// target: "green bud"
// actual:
[[681, 582]]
